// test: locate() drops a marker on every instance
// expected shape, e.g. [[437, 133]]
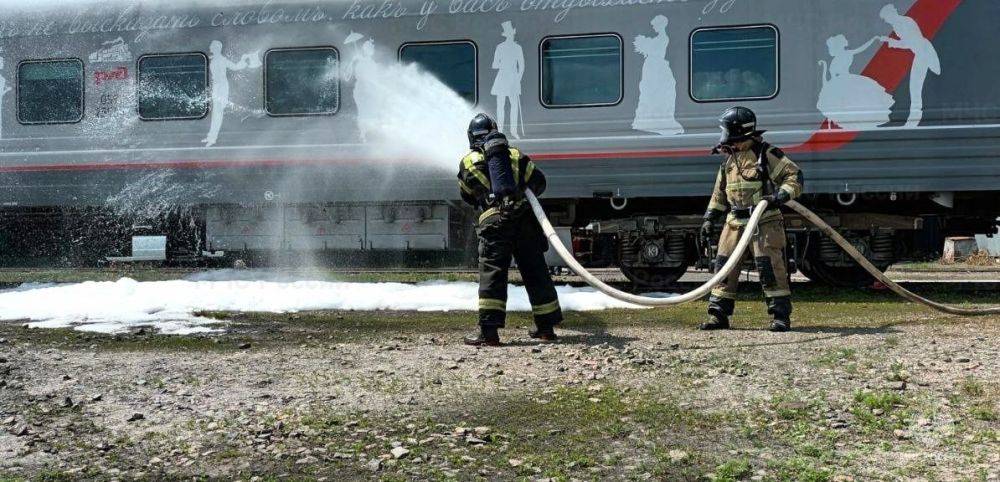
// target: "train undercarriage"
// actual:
[[652, 250], [655, 251]]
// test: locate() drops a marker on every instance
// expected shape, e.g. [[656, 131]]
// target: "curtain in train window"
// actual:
[[302, 81], [581, 71], [50, 92], [173, 86], [734, 63], [453, 63]]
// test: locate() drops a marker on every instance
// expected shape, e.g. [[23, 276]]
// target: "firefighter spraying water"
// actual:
[[493, 178]]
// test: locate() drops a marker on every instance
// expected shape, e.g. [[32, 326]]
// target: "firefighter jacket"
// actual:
[[740, 185], [474, 180]]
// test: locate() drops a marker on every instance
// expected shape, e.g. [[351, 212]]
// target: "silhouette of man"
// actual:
[[508, 61], [925, 57], [220, 66]]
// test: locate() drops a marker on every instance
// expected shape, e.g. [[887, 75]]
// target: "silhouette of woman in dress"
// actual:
[[854, 102], [364, 69], [657, 87], [3, 91]]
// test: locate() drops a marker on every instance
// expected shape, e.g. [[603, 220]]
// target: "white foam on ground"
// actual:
[[170, 306]]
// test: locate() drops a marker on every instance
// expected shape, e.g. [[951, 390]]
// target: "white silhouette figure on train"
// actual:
[[3, 91], [219, 67], [508, 61], [925, 57], [854, 102], [657, 87], [364, 71]]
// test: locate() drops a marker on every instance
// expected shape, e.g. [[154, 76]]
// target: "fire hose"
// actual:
[[734, 262]]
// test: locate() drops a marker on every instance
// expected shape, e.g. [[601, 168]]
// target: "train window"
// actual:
[[302, 81], [173, 86], [50, 91], [453, 63], [579, 71], [732, 63]]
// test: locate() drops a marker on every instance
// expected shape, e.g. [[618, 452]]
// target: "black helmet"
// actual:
[[738, 124], [479, 127]]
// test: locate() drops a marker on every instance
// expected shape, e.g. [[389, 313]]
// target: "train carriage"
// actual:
[[269, 127]]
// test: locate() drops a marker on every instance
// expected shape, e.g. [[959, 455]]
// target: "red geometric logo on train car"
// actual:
[[101, 76]]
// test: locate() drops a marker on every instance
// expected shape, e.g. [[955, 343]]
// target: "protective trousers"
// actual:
[[769, 256], [516, 235]]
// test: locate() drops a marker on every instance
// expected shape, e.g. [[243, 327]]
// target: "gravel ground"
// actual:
[[864, 389]]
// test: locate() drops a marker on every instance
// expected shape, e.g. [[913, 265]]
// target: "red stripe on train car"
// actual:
[[888, 67]]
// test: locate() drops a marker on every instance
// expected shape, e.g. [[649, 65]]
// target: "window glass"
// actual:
[[302, 81], [580, 71], [50, 92], [734, 63], [173, 86], [453, 63]]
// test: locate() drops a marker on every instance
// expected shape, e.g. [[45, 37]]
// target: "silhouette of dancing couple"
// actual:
[[857, 102]]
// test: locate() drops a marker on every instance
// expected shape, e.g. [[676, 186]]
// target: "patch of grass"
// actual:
[[135, 341], [799, 469], [865, 404], [898, 373], [553, 442], [53, 476], [971, 387], [984, 399], [168, 343], [790, 406], [837, 356], [663, 463], [883, 400], [15, 276], [977, 264], [984, 412], [563, 433], [732, 471]]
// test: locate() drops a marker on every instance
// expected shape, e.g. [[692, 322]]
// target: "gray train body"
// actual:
[[877, 162]]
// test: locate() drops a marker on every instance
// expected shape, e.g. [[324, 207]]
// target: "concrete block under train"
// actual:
[[302, 127]]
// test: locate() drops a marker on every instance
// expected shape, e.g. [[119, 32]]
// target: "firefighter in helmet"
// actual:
[[492, 177], [753, 170]]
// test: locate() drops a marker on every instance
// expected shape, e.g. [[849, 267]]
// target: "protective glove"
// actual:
[[726, 149], [777, 199], [711, 216], [706, 229]]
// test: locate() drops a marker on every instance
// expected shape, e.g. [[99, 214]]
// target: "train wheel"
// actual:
[[843, 276], [658, 277]]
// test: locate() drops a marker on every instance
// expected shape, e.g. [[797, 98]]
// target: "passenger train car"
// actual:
[[234, 127]]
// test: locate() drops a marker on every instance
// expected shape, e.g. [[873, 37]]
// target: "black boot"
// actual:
[[545, 333], [719, 311], [780, 308], [778, 325], [488, 336], [715, 322]]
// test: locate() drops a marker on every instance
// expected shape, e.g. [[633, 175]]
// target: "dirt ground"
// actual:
[[865, 388]]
